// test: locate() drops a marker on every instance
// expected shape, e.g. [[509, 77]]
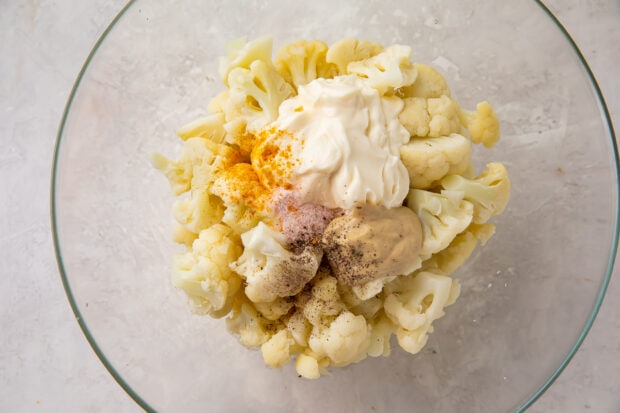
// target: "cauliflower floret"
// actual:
[[269, 269], [444, 113], [245, 322], [198, 211], [380, 334], [350, 50], [448, 260], [277, 350], [311, 366], [442, 218], [414, 116], [299, 328], [301, 62], [489, 192], [197, 165], [483, 124], [358, 306], [255, 95], [428, 84], [210, 127], [429, 159], [182, 235], [241, 53], [344, 341], [322, 302], [203, 272], [276, 309], [414, 309], [389, 70]]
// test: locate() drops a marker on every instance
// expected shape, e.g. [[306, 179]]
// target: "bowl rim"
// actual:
[[531, 399]]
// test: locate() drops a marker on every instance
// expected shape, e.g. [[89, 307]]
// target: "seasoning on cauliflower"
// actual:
[[303, 61], [245, 322], [269, 269], [489, 192], [415, 308], [442, 217], [321, 302], [241, 54], [203, 272], [350, 50], [483, 124], [429, 159], [388, 70], [255, 95]]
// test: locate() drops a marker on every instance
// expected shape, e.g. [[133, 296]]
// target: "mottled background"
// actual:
[[46, 363]]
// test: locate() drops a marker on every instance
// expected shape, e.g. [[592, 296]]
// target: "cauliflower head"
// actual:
[[241, 54], [301, 62], [350, 50], [432, 117], [428, 84], [442, 217], [203, 272], [255, 95], [421, 302], [388, 70], [270, 270], [483, 124], [429, 159], [489, 192], [344, 341]]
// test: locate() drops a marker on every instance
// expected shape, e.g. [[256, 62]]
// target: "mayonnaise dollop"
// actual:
[[347, 148]]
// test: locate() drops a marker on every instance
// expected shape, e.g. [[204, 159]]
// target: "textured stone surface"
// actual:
[[46, 363]]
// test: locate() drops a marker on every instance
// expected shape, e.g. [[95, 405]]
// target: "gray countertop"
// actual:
[[46, 363]]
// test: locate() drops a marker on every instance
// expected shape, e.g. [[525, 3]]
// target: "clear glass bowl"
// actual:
[[528, 298]]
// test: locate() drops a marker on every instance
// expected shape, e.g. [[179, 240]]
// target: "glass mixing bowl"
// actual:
[[528, 297]]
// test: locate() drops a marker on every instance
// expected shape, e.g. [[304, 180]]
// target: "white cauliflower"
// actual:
[[444, 115], [323, 302], [429, 159], [275, 309], [299, 328], [442, 217], [198, 211], [389, 70], [489, 192], [449, 259], [344, 341], [483, 124], [255, 95], [203, 272], [350, 50], [252, 329], [301, 62], [415, 308], [241, 54], [428, 84], [210, 127], [414, 116], [358, 306], [277, 350], [269, 269], [380, 334], [310, 365], [197, 165]]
